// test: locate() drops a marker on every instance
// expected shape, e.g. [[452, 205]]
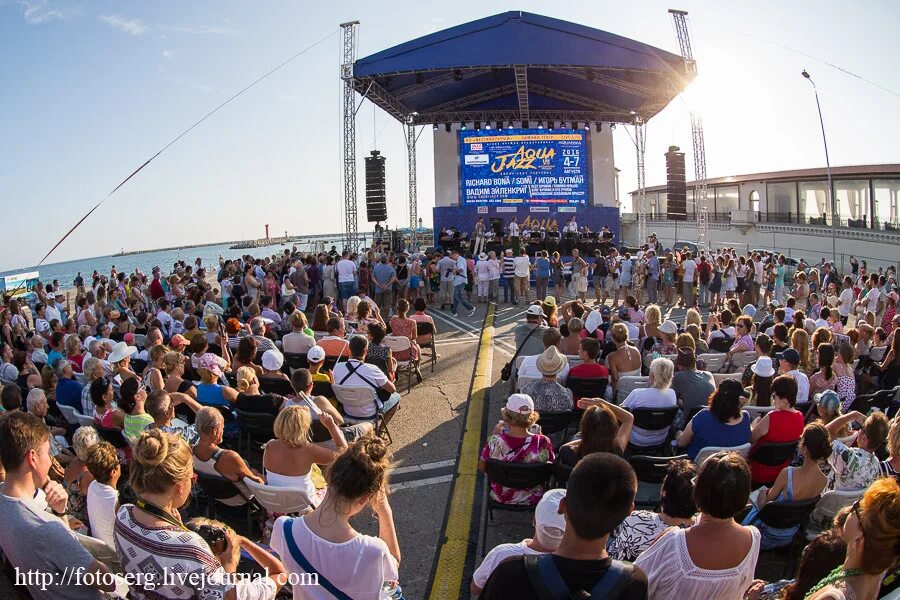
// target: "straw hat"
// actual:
[[120, 351], [551, 362]]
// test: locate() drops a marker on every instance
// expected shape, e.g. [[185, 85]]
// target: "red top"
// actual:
[[589, 370], [784, 426]]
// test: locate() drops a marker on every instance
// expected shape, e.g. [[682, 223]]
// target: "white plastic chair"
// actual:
[[400, 343], [714, 361], [68, 414], [84, 420], [742, 359], [758, 411], [629, 383], [281, 500], [829, 505], [720, 377], [363, 398], [743, 450]]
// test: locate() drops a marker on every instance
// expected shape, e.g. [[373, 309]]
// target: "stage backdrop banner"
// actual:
[[524, 167]]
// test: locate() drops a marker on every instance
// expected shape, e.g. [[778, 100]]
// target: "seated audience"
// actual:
[[724, 551], [529, 335], [547, 393], [890, 467], [658, 395], [33, 537], [326, 539], [77, 478], [272, 361], [250, 398], [102, 495], [692, 387], [828, 408], [528, 366], [723, 424], [589, 368], [105, 415], [793, 484], [301, 337], [334, 344], [624, 360], [677, 509], [161, 406], [68, 390], [174, 364], [161, 477], [604, 427], [315, 358], [302, 383], [599, 495], [784, 424], [855, 468], [244, 356], [210, 459], [515, 439], [355, 372], [132, 399], [549, 526], [823, 379], [789, 364], [378, 353], [210, 392]]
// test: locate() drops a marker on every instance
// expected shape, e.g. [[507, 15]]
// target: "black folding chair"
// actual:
[[519, 476], [427, 329], [323, 388], [587, 387], [276, 385], [772, 454], [294, 361], [653, 420], [785, 515], [255, 428], [650, 471], [214, 349], [113, 436], [561, 474], [138, 365], [218, 489], [554, 422]]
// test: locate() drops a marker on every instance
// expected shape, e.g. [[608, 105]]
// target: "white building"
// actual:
[[790, 212]]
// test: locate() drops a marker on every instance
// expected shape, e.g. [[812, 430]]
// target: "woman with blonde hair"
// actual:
[[692, 316], [73, 352], [686, 340], [301, 338], [701, 346], [800, 343], [174, 362], [250, 399], [288, 460], [161, 476], [652, 321]]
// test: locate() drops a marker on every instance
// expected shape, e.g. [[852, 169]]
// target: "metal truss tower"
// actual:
[[413, 196], [350, 34], [701, 203], [640, 142]]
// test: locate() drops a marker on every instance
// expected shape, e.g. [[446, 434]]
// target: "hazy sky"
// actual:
[[90, 90]]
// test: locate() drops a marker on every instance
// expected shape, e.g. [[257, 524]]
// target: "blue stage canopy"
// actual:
[[524, 67]]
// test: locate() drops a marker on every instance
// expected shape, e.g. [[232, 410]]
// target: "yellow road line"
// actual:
[[452, 552]]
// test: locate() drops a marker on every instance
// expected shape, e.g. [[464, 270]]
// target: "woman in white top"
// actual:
[[210, 459], [715, 559], [102, 496], [324, 541], [289, 458], [298, 341]]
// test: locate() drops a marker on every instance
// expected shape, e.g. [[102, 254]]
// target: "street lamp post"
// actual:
[[834, 215]]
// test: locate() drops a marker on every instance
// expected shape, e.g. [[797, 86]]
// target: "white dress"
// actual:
[[671, 575]]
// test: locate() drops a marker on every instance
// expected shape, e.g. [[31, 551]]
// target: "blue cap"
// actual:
[[791, 356]]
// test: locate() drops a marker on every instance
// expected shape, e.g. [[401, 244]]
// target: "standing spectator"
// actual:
[[460, 278], [541, 273], [522, 269], [445, 267], [384, 276], [687, 281]]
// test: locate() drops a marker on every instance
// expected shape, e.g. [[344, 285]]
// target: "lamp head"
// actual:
[[805, 74]]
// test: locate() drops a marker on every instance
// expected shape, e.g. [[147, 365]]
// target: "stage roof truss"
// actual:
[[522, 92]]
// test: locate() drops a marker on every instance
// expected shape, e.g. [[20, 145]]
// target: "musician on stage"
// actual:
[[571, 226], [479, 236], [513, 229]]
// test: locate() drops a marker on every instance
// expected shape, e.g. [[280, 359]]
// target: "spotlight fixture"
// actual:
[[487, 125], [447, 127], [550, 125], [462, 126], [510, 125], [598, 126], [434, 127], [540, 124], [574, 125], [499, 125], [587, 126], [477, 125]]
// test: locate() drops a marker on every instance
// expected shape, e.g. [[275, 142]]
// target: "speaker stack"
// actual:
[[376, 203], [676, 186]]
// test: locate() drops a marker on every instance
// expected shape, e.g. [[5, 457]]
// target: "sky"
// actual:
[[90, 90]]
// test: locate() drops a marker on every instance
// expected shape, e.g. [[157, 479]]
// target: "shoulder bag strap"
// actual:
[[613, 581], [301, 560], [522, 345], [548, 584]]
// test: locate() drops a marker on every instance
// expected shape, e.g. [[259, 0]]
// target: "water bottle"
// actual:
[[390, 590]]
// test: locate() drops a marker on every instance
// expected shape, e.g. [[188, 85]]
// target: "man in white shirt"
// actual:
[[165, 318], [522, 265], [460, 277], [687, 289], [346, 275], [846, 299], [549, 526], [513, 229], [790, 360], [357, 373]]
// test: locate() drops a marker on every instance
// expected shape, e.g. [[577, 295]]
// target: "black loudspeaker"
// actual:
[[676, 187], [497, 226], [376, 203]]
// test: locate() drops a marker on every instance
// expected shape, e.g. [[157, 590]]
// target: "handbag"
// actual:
[[506, 371]]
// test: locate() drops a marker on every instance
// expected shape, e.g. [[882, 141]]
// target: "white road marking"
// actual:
[[423, 467], [405, 485]]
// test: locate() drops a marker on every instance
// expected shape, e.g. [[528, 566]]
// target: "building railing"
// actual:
[[863, 222]]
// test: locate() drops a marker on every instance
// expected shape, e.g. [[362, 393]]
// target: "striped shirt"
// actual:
[[509, 267]]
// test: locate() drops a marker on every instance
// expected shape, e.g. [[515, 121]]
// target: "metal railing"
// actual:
[[864, 222]]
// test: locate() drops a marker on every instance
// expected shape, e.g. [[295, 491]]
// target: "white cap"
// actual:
[[668, 327], [593, 321], [272, 360], [535, 311], [520, 403], [316, 354], [548, 523]]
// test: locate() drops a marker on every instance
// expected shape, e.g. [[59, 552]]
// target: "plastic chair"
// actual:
[[785, 515], [629, 383], [68, 414], [255, 427], [743, 450], [827, 507], [364, 397], [323, 388], [84, 420], [280, 500], [720, 377], [758, 411], [276, 385], [587, 387], [113, 436], [518, 476], [399, 343], [772, 454], [650, 472], [713, 361], [426, 331], [218, 489], [295, 361], [742, 359], [653, 419], [561, 474]]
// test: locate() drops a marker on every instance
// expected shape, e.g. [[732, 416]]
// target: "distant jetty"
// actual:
[[261, 242], [130, 252]]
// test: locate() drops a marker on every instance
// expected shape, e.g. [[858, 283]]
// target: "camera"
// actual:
[[213, 536]]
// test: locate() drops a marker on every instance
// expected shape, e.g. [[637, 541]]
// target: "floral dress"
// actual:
[[535, 448], [668, 274], [406, 328], [638, 275]]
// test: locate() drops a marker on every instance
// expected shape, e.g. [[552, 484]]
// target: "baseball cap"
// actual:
[[668, 327], [535, 311], [520, 403], [547, 521], [178, 341], [272, 360], [316, 354], [829, 401], [791, 356]]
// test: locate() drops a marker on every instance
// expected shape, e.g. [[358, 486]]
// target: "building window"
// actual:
[[852, 198], [754, 201], [887, 203], [781, 202], [814, 202], [726, 200]]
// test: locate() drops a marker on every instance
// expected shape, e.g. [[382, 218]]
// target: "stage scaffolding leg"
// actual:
[[351, 237], [640, 142], [413, 194]]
